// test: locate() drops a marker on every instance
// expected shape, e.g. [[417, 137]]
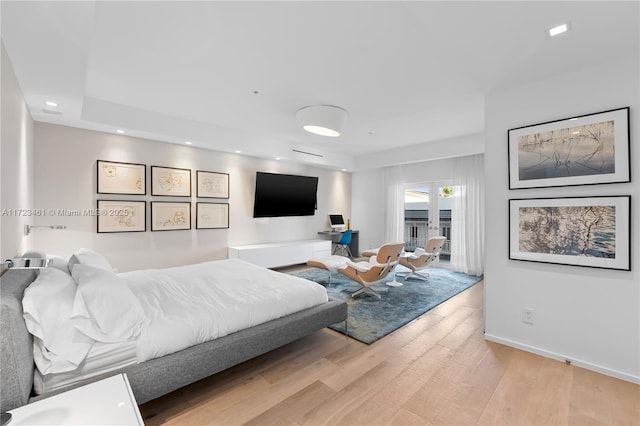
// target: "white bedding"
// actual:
[[180, 307], [102, 358], [192, 304]]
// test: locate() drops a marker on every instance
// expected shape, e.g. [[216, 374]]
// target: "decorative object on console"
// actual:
[[121, 216], [212, 215], [587, 149], [323, 120], [212, 184], [583, 231], [121, 178], [170, 181], [170, 216]]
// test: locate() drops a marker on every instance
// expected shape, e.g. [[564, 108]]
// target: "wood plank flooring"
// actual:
[[437, 370]]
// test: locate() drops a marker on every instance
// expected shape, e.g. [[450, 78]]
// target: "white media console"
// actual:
[[274, 255]]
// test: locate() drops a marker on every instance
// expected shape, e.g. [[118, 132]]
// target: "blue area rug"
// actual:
[[370, 318]]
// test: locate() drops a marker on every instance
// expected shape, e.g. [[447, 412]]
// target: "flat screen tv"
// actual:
[[284, 195]]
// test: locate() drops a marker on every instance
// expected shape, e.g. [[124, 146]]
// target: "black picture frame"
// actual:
[[582, 150], [578, 231]]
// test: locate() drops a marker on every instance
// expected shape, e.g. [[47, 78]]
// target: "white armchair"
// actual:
[[373, 271]]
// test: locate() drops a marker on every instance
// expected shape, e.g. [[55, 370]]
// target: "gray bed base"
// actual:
[[154, 378]]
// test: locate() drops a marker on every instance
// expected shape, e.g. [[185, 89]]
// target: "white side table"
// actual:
[[106, 402]]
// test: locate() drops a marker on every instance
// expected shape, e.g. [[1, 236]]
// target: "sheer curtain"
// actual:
[[394, 204], [467, 215]]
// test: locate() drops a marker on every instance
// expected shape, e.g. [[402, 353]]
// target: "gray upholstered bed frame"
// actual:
[[154, 378]]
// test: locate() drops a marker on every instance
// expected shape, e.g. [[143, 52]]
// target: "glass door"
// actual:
[[427, 213]]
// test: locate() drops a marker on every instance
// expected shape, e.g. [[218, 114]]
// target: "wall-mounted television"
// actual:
[[285, 195]]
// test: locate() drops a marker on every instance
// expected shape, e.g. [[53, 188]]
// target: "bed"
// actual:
[[236, 333]]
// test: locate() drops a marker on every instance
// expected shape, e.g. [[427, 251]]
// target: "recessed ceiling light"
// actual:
[[557, 30], [120, 131], [237, 151], [188, 143], [51, 104]]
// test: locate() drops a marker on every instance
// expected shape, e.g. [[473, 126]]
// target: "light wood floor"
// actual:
[[436, 370]]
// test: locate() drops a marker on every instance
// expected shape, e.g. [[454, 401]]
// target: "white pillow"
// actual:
[[47, 304], [89, 257], [104, 308]]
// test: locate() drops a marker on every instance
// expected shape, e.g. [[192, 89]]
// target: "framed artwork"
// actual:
[[170, 181], [121, 216], [212, 184], [169, 216], [582, 231], [121, 178], [212, 215], [584, 150]]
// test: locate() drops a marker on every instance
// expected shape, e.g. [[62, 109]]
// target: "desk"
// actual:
[[335, 237], [105, 402]]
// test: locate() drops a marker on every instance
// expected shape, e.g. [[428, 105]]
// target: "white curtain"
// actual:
[[467, 215], [394, 204]]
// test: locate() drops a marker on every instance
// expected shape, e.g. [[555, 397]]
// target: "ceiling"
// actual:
[[231, 75]]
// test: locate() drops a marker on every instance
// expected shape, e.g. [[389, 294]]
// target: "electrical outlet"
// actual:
[[528, 315]]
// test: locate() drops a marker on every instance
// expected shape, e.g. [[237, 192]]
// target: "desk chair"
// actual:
[[343, 244], [374, 271]]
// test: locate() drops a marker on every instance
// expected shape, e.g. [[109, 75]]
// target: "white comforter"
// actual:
[[192, 304]]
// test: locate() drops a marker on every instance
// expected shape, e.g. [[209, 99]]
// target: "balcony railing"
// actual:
[[416, 235]]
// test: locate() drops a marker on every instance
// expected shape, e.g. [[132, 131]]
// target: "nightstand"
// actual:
[[106, 402]]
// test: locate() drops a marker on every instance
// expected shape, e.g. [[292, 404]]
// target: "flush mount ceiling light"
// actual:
[[325, 120]]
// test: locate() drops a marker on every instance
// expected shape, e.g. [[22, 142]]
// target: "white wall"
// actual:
[[16, 160], [65, 178], [589, 316]]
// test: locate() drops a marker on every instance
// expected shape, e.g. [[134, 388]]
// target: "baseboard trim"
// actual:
[[563, 358]]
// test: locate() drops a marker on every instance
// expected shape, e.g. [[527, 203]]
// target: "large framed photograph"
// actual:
[[169, 216], [583, 150], [212, 184], [121, 178], [170, 181], [212, 216], [583, 231], [121, 216]]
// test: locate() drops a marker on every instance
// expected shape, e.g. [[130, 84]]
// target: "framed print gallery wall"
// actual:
[[582, 150], [585, 231]]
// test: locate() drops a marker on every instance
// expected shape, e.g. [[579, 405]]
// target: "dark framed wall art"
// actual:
[[121, 216], [583, 150], [170, 216], [582, 231], [212, 184], [212, 215], [169, 181], [114, 177]]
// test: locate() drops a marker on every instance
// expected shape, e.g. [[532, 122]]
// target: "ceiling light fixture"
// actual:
[[188, 143], [557, 30], [51, 104], [324, 120], [120, 131]]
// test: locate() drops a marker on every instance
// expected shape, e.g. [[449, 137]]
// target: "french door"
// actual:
[[427, 213]]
